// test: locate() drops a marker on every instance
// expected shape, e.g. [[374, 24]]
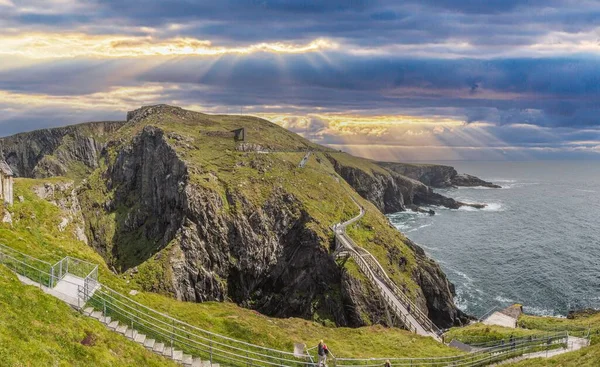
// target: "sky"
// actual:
[[424, 80]]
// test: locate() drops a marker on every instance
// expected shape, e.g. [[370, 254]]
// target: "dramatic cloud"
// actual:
[[407, 80]]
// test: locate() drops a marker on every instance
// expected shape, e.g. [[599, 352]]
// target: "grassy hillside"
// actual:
[[39, 330], [41, 238], [587, 357], [216, 163]]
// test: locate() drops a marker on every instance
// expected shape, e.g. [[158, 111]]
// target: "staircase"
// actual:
[[148, 343], [401, 305]]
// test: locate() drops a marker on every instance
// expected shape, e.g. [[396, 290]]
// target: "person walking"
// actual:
[[322, 351]]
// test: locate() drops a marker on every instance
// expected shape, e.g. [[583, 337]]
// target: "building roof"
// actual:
[[5, 168]]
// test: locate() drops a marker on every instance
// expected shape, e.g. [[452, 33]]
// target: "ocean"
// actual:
[[536, 243]]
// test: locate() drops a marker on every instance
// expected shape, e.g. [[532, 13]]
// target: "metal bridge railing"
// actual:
[[188, 338], [479, 358], [218, 348], [27, 266]]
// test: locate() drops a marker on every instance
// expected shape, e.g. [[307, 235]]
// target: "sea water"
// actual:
[[537, 242]]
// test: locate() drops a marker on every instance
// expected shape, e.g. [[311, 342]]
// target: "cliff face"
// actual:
[[434, 175], [173, 204], [50, 152], [388, 190]]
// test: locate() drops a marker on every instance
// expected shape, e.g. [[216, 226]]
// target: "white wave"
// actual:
[[501, 180], [489, 207], [538, 311], [419, 227], [463, 275], [504, 299]]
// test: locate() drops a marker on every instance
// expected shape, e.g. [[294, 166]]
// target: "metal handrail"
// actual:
[[169, 333], [143, 318], [376, 268], [192, 327]]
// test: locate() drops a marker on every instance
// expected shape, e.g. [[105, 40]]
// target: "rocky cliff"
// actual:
[[388, 190], [172, 204], [434, 175], [56, 152]]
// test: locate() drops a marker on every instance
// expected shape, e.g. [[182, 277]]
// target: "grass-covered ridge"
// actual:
[[35, 231], [216, 163]]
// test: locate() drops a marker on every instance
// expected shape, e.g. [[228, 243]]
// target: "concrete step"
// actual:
[[159, 348], [131, 333], [167, 352], [97, 315], [88, 311], [106, 320], [196, 362], [113, 325], [121, 329], [149, 343], [177, 355], [140, 338], [187, 360], [215, 365], [205, 363]]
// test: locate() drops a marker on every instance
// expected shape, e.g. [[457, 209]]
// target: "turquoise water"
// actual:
[[537, 242]]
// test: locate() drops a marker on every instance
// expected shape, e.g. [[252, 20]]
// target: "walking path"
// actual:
[[573, 344], [375, 272]]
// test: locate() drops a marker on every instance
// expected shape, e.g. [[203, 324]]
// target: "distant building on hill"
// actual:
[[6, 182]]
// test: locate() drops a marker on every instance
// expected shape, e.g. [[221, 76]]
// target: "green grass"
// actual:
[[374, 233], [35, 232], [586, 357], [480, 333], [39, 330]]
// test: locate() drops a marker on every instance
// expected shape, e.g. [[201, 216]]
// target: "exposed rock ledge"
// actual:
[[390, 191], [438, 176]]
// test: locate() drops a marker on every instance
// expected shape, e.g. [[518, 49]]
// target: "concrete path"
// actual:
[[304, 160], [573, 344], [66, 289], [500, 319]]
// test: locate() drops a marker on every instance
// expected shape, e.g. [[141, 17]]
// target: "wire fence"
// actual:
[[216, 348], [188, 338]]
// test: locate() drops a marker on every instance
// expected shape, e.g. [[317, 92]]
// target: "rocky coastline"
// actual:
[[178, 227]]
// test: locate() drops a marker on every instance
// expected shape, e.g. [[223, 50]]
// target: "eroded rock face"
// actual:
[[391, 192], [45, 153], [146, 216], [438, 291], [436, 175], [264, 257], [64, 196]]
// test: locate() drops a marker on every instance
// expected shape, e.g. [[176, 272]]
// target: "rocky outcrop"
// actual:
[[64, 196], [219, 247], [49, 152], [434, 175], [466, 180], [174, 222], [391, 192], [439, 292]]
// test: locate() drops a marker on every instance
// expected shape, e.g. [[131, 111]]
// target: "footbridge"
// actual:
[[401, 305]]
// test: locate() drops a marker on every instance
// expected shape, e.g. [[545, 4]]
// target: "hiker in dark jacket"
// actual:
[[322, 351]]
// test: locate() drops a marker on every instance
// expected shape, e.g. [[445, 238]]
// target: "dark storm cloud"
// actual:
[[363, 23], [467, 60], [544, 92]]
